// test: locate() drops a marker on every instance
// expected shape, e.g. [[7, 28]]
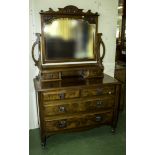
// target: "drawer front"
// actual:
[[78, 122], [91, 81], [48, 76], [75, 107], [92, 73], [98, 91], [64, 94], [51, 84]]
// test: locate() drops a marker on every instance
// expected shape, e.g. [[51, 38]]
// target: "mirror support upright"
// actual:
[[100, 42], [33, 47]]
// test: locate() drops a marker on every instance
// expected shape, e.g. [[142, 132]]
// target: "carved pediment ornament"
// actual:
[[68, 10]]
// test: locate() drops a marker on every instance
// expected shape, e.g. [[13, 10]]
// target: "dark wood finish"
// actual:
[[74, 97], [61, 94], [77, 107], [77, 121]]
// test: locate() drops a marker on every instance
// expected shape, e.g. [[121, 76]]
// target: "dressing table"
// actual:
[[72, 91]]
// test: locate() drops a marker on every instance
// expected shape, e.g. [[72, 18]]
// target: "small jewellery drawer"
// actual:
[[92, 73], [75, 107], [63, 94], [95, 73], [78, 121], [98, 91], [49, 76]]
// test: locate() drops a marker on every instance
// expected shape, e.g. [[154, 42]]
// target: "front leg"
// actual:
[[43, 142]]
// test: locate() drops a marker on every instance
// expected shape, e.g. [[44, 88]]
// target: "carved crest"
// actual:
[[70, 9]]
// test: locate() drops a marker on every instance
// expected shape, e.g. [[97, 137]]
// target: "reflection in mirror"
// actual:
[[121, 32], [69, 38]]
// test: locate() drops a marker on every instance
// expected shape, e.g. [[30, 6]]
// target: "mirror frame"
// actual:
[[68, 12]]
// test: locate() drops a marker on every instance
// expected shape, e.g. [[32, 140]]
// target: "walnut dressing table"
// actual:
[[72, 96]]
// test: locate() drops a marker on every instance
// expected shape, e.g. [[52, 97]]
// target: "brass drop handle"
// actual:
[[98, 118], [33, 46], [62, 124], [62, 109]]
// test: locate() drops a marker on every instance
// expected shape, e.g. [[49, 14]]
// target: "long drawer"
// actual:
[[78, 121], [75, 93], [61, 94], [70, 107]]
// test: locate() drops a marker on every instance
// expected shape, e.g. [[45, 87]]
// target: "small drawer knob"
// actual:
[[109, 92]]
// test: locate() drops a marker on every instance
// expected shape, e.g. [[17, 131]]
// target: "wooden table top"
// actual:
[[74, 82]]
